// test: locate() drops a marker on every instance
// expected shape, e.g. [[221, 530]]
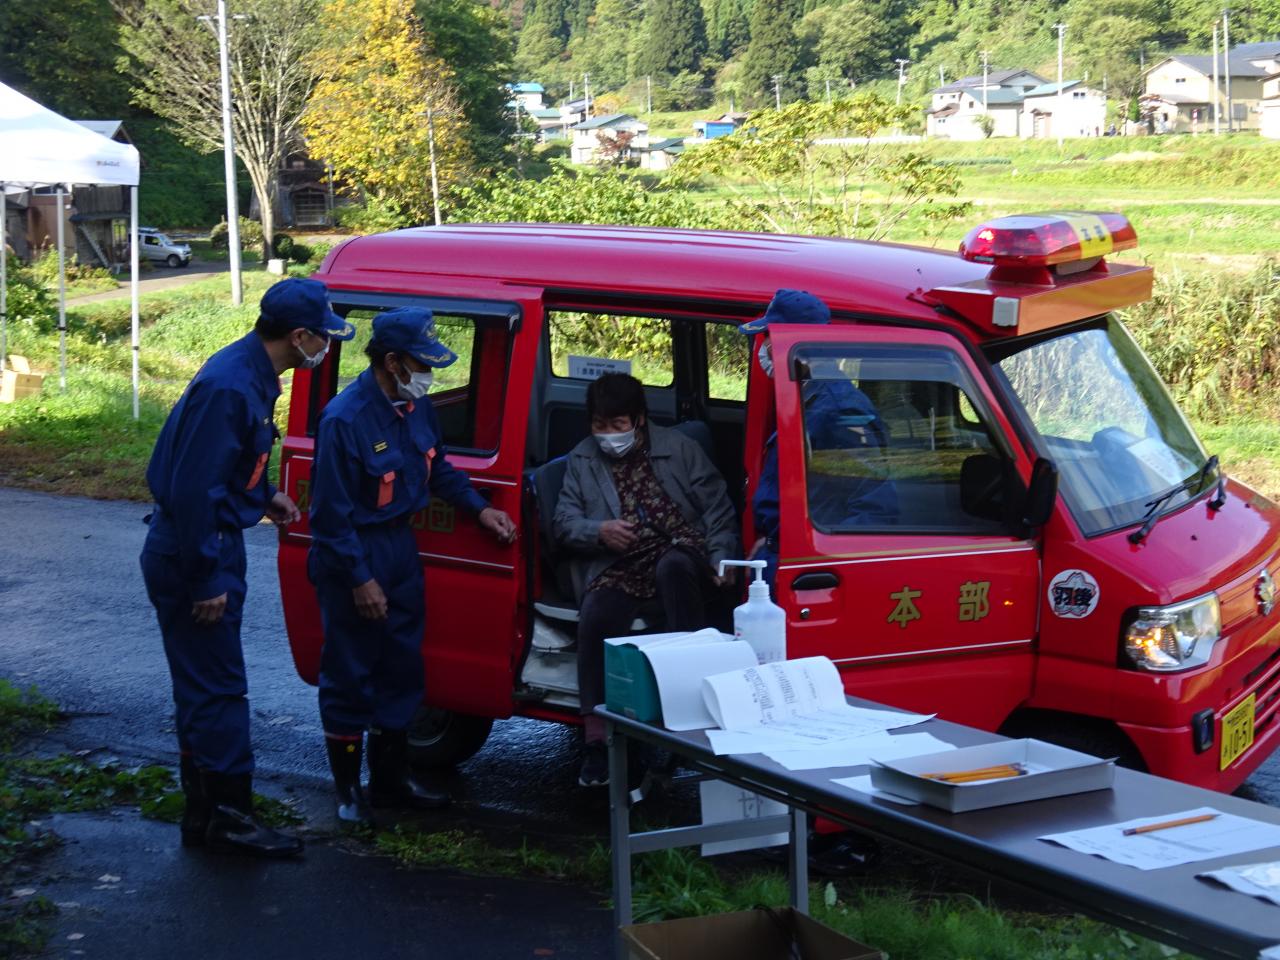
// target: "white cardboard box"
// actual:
[[1052, 771], [17, 380]]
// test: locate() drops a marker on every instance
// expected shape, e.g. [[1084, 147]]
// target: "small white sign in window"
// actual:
[[592, 368]]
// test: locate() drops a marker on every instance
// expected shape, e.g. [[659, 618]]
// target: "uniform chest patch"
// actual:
[[379, 446]]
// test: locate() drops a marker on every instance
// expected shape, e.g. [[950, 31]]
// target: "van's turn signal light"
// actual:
[[1042, 240]]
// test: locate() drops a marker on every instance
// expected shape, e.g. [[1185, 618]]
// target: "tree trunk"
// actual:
[[261, 175]]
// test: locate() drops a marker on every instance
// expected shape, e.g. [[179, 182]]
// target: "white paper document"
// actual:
[[790, 705], [860, 751], [723, 801], [1260, 880], [863, 784], [678, 669], [1224, 836]]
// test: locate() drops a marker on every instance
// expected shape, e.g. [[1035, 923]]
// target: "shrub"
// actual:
[[29, 301], [376, 216], [250, 234], [298, 252], [284, 246]]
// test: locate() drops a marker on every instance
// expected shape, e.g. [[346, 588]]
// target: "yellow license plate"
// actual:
[[1237, 732]]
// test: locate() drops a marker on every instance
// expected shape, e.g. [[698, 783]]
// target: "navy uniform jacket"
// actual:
[[208, 469], [837, 415], [375, 462]]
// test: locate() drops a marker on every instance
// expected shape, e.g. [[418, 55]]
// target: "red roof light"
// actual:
[[1044, 239]]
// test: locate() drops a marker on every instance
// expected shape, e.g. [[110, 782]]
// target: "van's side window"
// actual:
[[894, 439], [585, 345], [468, 394], [728, 362]]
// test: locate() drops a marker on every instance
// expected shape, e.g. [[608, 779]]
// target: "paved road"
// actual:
[[161, 278], [74, 619]]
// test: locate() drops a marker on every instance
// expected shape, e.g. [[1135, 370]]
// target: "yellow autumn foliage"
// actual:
[[368, 113]]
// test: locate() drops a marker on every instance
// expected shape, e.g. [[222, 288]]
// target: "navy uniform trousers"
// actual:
[[371, 670], [205, 662]]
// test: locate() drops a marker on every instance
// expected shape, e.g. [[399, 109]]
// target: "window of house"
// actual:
[[468, 394], [585, 345], [1179, 79], [895, 438]]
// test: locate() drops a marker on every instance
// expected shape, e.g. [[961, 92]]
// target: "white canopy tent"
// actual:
[[39, 148]]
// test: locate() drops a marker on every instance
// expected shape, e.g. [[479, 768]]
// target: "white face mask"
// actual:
[[417, 387], [310, 362], [616, 444], [766, 359]]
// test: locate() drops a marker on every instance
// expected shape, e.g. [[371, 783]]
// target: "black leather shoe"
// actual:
[[195, 816], [344, 761], [391, 784], [595, 766], [232, 828]]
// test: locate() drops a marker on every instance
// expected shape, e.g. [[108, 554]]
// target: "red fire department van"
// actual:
[[1067, 562]]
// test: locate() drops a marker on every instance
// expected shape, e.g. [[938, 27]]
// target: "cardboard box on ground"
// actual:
[[782, 934], [17, 380]]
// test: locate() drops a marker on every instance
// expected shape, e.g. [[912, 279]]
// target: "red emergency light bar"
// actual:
[[1034, 242]]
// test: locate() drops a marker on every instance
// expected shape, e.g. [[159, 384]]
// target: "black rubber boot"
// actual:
[[344, 761], [232, 828], [390, 782], [195, 816]]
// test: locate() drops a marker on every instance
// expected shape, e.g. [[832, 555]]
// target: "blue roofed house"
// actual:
[[552, 125], [720, 127], [588, 135], [1081, 111], [529, 95], [956, 108]]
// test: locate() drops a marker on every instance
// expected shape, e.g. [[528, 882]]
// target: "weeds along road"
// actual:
[[75, 621]]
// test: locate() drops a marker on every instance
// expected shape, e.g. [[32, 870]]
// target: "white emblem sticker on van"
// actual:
[[1073, 594]]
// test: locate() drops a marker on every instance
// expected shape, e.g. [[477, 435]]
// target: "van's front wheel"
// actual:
[[443, 738]]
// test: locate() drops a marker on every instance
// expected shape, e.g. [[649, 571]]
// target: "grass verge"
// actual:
[[903, 923]]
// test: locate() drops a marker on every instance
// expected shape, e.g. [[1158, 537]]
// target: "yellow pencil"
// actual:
[[1166, 824]]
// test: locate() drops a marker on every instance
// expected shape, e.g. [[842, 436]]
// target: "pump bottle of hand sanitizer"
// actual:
[[759, 621]]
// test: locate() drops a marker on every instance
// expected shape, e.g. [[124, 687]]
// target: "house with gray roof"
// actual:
[[593, 131], [956, 108], [1072, 108], [1179, 94]]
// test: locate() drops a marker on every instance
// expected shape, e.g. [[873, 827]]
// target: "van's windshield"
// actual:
[[1106, 420]]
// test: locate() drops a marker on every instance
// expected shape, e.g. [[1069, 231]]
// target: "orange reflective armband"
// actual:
[[257, 470]]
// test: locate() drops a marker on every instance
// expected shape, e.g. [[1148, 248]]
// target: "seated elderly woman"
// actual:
[[647, 519]]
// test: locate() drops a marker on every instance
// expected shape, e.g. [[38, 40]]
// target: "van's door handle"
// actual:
[[817, 580]]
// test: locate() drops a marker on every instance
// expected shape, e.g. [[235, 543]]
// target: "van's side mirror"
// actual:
[[1042, 493]]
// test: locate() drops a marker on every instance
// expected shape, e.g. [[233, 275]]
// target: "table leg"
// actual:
[[619, 837], [798, 860]]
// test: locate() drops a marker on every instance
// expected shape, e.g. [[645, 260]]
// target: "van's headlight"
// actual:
[[1176, 637]]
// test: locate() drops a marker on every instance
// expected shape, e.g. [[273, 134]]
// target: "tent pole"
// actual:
[[62, 290], [4, 278], [133, 287]]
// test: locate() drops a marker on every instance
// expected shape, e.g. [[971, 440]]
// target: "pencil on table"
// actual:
[[997, 772], [1166, 824]]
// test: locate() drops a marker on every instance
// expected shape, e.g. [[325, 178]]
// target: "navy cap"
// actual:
[[790, 306], [299, 302], [412, 330]]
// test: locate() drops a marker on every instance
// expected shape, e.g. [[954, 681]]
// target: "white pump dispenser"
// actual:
[[759, 621]]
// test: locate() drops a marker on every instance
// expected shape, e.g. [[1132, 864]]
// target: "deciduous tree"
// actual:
[[173, 59], [368, 115]]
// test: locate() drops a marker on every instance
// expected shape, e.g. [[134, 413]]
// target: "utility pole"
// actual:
[[518, 136], [1059, 119], [777, 91], [902, 78], [828, 89], [1226, 63], [586, 94], [942, 76], [1217, 90], [648, 94], [229, 152], [431, 151], [986, 70]]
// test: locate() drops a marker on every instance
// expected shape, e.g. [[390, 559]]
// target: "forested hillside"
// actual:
[[733, 49]]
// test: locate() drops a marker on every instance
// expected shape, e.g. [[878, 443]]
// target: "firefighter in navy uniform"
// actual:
[[379, 459], [208, 477]]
